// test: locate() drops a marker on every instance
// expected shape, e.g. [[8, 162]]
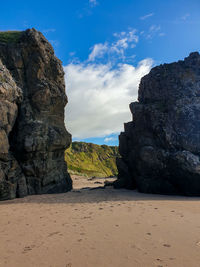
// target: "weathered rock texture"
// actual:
[[32, 132], [160, 148]]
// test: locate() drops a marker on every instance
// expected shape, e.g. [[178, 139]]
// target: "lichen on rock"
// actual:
[[33, 137], [160, 147]]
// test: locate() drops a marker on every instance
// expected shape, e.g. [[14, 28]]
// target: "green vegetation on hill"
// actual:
[[10, 36], [92, 160]]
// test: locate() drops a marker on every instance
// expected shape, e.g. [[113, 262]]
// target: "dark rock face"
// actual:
[[32, 132], [160, 148]]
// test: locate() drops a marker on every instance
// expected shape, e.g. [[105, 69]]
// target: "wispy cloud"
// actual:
[[99, 96], [185, 17], [48, 30], [147, 16], [124, 40], [73, 53], [54, 42], [162, 34], [98, 50], [153, 31], [93, 3], [87, 10]]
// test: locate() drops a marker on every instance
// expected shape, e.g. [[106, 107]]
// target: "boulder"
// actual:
[[160, 147]]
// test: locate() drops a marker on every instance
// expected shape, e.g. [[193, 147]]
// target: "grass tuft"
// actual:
[[10, 36]]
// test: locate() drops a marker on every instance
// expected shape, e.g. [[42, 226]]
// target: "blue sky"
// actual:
[[106, 46]]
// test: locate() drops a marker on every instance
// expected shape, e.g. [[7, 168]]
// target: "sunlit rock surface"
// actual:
[[160, 147]]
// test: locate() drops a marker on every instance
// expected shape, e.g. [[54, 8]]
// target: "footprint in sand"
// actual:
[[26, 249], [198, 243], [69, 265], [100, 208], [54, 233], [166, 245], [148, 233]]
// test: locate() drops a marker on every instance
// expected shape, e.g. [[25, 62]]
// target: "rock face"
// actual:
[[32, 132], [160, 147]]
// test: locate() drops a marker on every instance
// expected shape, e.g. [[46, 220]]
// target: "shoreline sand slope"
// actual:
[[102, 227]]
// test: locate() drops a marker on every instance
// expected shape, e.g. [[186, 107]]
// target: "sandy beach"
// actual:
[[100, 228]]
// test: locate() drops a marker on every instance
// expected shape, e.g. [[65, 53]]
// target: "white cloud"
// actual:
[[147, 16], [124, 40], [108, 139], [99, 96]]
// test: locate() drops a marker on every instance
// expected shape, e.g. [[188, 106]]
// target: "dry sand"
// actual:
[[100, 228]]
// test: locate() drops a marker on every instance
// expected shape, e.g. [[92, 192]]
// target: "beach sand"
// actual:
[[100, 228]]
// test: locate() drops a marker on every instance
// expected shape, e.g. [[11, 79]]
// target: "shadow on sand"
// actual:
[[96, 195]]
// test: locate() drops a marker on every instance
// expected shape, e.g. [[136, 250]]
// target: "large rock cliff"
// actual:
[[32, 132], [160, 147]]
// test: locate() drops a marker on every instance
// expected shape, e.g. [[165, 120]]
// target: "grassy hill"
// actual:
[[91, 160]]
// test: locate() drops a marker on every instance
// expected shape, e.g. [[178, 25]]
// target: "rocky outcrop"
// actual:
[[33, 137], [12, 180], [160, 147]]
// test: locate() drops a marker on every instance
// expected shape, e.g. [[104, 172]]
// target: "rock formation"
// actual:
[[32, 132], [160, 147]]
